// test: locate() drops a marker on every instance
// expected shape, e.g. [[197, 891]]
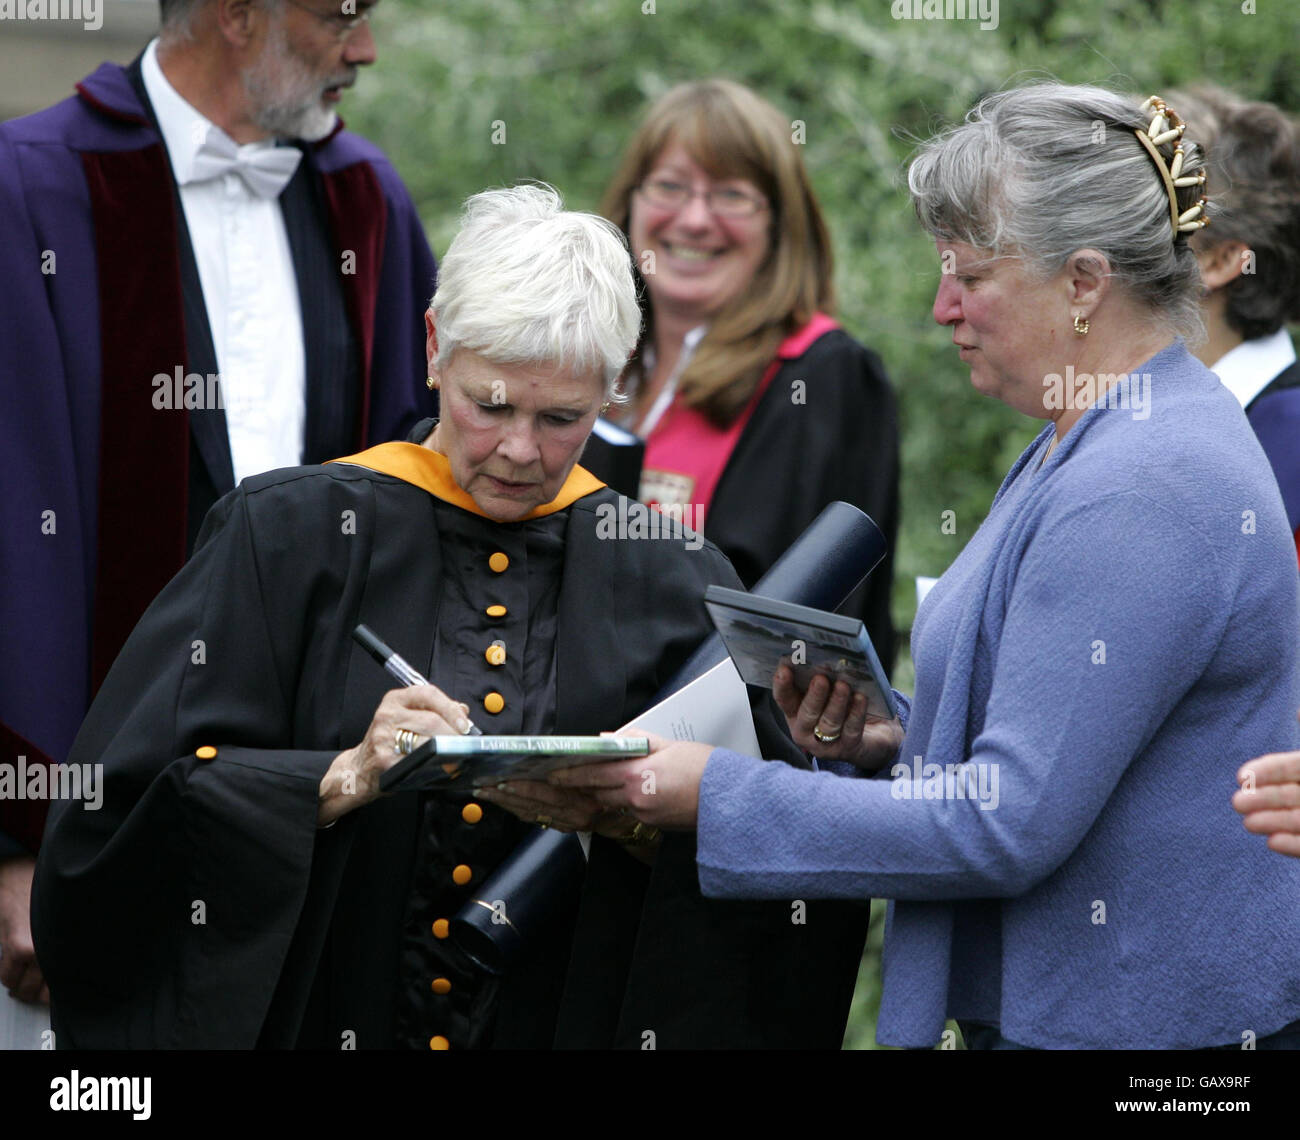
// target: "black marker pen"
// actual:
[[396, 665]]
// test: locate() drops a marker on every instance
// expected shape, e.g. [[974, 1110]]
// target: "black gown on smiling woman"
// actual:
[[202, 906]]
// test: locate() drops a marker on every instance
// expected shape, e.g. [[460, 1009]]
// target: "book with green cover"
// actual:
[[444, 762]]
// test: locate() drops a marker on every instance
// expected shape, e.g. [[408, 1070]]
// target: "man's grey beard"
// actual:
[[286, 96]]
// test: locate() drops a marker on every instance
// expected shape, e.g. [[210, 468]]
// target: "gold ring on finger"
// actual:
[[405, 742], [826, 737]]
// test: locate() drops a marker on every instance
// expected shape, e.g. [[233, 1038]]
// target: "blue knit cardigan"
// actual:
[[1115, 640]]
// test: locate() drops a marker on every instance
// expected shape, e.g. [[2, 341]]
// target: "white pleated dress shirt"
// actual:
[[246, 270]]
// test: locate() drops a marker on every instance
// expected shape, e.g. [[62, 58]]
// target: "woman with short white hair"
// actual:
[[245, 885], [1120, 634]]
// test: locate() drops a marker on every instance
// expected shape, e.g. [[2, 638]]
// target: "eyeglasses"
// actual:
[[342, 24], [725, 202]]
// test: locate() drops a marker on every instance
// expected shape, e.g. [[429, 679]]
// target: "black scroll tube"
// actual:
[[821, 569]]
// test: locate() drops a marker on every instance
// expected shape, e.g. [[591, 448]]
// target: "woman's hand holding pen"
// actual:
[[832, 722], [353, 779]]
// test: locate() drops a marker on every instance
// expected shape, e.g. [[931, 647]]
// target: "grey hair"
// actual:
[[1044, 170], [1253, 153], [176, 17], [527, 282]]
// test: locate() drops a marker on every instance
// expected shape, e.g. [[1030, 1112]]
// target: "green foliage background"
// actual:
[[568, 79]]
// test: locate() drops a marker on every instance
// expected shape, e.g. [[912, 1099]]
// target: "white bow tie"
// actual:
[[265, 170]]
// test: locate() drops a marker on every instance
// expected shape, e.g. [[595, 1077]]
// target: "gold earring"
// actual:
[[431, 383], [605, 407], [1081, 326]]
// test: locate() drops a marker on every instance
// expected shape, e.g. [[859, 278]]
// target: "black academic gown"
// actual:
[[792, 458], [202, 907]]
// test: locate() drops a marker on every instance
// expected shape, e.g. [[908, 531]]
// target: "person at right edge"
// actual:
[[757, 408], [1250, 266]]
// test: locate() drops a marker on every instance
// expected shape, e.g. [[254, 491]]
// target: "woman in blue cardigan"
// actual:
[[1116, 639]]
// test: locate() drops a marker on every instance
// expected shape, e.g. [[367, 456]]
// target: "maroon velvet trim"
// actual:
[[23, 820], [143, 451], [358, 221], [112, 112]]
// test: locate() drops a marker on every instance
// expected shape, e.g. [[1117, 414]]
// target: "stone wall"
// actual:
[[42, 58]]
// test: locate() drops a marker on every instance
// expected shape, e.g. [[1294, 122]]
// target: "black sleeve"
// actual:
[[711, 567], [826, 429], [163, 917], [656, 964]]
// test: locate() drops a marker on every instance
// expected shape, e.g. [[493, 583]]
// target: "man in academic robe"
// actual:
[[244, 884], [206, 277]]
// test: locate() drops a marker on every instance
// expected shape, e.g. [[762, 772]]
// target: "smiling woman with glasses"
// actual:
[[668, 193], [756, 407]]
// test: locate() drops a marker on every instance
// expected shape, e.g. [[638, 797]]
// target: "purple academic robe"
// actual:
[[1275, 416], [96, 498]]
